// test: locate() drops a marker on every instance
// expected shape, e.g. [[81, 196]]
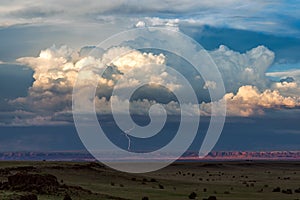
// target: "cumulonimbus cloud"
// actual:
[[249, 92]]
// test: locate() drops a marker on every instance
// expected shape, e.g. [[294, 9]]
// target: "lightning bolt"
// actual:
[[126, 135]]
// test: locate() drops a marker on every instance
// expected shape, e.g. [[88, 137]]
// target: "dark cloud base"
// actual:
[[239, 134], [14, 81]]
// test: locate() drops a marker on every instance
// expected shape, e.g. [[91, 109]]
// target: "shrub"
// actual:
[[288, 191], [277, 189], [211, 198], [28, 197], [67, 197], [193, 195]]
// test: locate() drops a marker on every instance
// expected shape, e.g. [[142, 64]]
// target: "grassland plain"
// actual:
[[236, 180]]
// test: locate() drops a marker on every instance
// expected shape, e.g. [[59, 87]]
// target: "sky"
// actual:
[[254, 44]]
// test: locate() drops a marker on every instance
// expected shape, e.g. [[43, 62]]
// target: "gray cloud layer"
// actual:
[[249, 15]]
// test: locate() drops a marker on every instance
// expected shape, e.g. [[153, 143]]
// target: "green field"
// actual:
[[254, 180]]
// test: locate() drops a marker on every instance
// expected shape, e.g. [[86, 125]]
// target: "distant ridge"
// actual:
[[216, 155], [248, 155]]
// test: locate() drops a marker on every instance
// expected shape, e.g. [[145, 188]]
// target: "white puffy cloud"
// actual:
[[289, 82], [140, 24], [159, 22], [210, 84], [238, 69], [137, 60], [249, 101], [286, 85], [56, 70]]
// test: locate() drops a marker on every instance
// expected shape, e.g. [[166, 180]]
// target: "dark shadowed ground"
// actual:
[[223, 180]]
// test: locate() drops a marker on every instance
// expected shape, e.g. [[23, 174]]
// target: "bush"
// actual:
[[193, 195], [161, 187], [145, 198], [211, 198], [288, 191], [277, 189], [28, 197], [67, 197]]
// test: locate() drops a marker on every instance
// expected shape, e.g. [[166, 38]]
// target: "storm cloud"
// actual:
[[49, 99]]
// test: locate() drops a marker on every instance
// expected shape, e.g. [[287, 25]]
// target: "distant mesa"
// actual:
[[190, 155]]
